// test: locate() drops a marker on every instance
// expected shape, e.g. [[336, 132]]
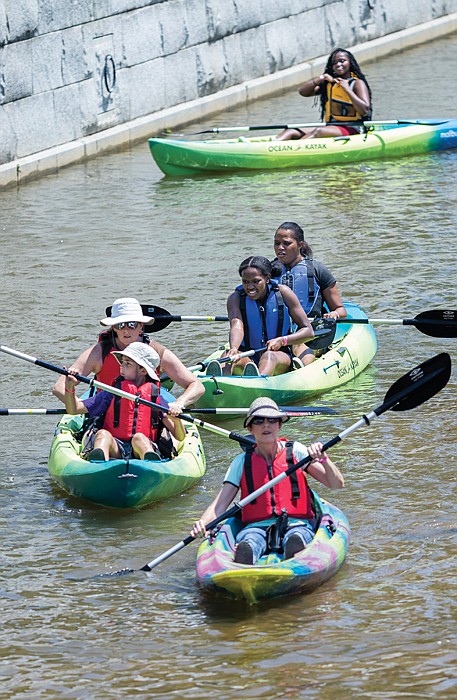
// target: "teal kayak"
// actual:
[[118, 483], [352, 350], [179, 157], [273, 576]]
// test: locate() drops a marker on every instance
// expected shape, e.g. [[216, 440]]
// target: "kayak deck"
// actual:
[[272, 576]]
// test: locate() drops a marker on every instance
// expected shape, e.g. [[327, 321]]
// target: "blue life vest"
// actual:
[[263, 320], [302, 280]]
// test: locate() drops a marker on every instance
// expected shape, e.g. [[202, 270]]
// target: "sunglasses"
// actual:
[[129, 324], [260, 421]]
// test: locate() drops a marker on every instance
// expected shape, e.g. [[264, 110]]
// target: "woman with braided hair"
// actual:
[[344, 94]]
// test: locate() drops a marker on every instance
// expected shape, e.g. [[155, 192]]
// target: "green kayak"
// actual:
[[352, 350], [179, 157], [118, 483]]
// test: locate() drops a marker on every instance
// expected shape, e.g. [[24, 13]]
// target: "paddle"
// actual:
[[242, 439], [411, 390], [293, 411], [307, 125], [436, 323]]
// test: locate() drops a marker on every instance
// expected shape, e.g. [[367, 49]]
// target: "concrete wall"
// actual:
[[74, 73]]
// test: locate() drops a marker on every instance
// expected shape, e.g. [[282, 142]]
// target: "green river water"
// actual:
[[386, 626]]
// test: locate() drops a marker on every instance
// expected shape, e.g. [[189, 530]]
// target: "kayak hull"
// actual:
[[272, 576], [178, 157], [353, 349], [117, 483]]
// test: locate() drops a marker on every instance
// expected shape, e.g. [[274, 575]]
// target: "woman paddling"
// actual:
[[254, 468], [126, 325], [260, 313], [310, 279], [344, 94]]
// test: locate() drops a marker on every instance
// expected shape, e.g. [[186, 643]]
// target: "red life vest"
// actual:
[[291, 494], [110, 368], [124, 418]]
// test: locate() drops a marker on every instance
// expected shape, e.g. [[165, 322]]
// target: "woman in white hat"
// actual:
[[128, 429], [126, 325], [248, 471]]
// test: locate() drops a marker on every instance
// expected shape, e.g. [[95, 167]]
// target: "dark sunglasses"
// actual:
[[259, 421], [129, 324]]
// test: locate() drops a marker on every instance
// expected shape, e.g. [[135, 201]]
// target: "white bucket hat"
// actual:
[[264, 407], [125, 310], [143, 355]]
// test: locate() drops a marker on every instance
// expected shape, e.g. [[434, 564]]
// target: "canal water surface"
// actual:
[[385, 626]]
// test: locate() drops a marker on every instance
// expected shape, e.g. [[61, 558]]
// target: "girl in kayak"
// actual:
[[260, 312], [252, 469], [126, 325], [128, 429], [311, 280], [344, 94]]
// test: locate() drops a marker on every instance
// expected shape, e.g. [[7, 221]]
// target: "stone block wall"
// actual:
[[74, 68]]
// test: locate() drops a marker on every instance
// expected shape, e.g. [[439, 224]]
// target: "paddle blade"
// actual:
[[437, 323], [419, 385], [324, 333]]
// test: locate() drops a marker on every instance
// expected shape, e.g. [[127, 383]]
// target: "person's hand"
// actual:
[[70, 380], [332, 314], [316, 453], [275, 344], [329, 78], [198, 529], [343, 82], [233, 352], [176, 408]]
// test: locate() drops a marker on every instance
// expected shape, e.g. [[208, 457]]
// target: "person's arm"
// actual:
[[90, 361], [193, 388], [332, 298], [236, 333], [298, 316], [175, 426], [358, 94], [73, 405], [323, 469], [222, 501], [311, 87]]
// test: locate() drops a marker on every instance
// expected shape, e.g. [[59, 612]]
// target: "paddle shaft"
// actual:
[[287, 410], [312, 125], [125, 395], [417, 378]]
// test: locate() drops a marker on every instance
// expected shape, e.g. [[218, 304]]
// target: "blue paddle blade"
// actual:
[[419, 384]]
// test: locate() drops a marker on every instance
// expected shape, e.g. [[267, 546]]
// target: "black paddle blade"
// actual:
[[438, 323], [150, 310], [419, 385], [324, 332]]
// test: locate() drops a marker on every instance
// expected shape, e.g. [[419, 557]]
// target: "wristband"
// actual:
[[284, 340], [323, 460], [69, 391]]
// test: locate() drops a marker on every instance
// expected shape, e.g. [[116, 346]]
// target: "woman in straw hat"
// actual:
[[126, 325], [288, 502]]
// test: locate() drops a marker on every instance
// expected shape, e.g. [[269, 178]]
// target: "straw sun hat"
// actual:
[[264, 407]]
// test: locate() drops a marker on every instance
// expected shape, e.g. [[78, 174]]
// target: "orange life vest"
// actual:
[[339, 107], [124, 417], [291, 494]]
